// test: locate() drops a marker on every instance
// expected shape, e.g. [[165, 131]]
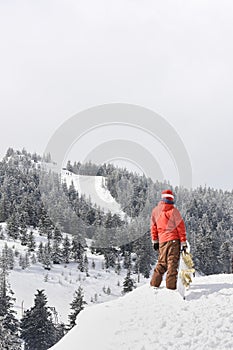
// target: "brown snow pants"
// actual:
[[169, 255]]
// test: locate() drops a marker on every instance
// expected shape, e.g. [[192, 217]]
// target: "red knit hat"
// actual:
[[167, 194]]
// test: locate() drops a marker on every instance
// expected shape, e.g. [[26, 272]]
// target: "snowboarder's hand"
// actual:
[[156, 246], [184, 247]]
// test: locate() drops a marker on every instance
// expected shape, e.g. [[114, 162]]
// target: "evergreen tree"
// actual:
[[47, 259], [12, 227], [57, 235], [31, 242], [225, 257], [8, 321], [56, 252], [4, 208], [144, 259], [27, 261], [40, 252], [81, 264], [86, 264], [127, 260], [110, 257], [33, 259], [77, 306], [76, 249], [1, 233], [8, 340], [93, 264], [66, 250], [8, 257], [128, 284], [22, 262], [118, 266], [37, 328], [23, 235]]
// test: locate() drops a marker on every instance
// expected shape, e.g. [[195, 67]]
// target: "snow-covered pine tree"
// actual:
[[128, 284], [8, 340], [8, 256], [23, 235], [33, 259], [4, 208], [110, 257], [1, 231], [56, 254], [57, 235], [47, 259], [81, 264], [66, 250], [85, 261], [77, 306], [9, 324], [144, 259], [77, 249], [37, 329], [40, 252], [12, 227], [225, 257], [27, 260], [45, 226], [127, 260], [118, 266], [93, 264], [31, 242]]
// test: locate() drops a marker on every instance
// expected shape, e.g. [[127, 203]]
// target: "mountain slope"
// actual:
[[62, 280], [147, 320]]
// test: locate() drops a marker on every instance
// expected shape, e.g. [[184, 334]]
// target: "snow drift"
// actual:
[[146, 319]]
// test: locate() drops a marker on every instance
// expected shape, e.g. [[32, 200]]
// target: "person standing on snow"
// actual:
[[168, 235]]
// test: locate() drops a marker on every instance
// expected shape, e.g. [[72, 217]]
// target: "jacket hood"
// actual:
[[165, 206]]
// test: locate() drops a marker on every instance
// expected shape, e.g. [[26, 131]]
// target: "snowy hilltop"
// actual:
[[148, 319]]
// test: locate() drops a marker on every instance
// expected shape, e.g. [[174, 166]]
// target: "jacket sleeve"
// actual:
[[153, 229], [180, 225]]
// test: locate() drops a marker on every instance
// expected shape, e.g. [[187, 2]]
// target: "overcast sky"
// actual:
[[174, 57]]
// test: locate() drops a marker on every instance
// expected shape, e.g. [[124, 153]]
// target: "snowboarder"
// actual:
[[168, 235]]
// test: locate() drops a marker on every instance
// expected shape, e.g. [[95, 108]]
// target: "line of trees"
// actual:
[[39, 328]]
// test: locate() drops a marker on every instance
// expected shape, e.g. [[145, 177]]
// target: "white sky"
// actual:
[[175, 57]]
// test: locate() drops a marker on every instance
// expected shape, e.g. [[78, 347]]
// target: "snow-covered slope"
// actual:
[[94, 187], [62, 280], [146, 319]]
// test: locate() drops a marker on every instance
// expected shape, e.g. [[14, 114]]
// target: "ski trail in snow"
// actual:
[[148, 319], [94, 187]]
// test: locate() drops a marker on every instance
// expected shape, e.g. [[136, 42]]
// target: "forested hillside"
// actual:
[[208, 213]]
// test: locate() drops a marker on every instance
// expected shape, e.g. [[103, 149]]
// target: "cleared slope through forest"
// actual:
[[94, 187]]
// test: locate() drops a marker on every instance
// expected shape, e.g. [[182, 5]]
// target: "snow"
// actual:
[[148, 319], [94, 187], [61, 281]]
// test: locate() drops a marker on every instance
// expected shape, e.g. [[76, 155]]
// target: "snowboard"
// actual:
[[185, 272]]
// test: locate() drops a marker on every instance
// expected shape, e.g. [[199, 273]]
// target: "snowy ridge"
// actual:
[[146, 319], [93, 187]]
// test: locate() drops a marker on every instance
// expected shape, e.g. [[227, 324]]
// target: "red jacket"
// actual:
[[167, 224]]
